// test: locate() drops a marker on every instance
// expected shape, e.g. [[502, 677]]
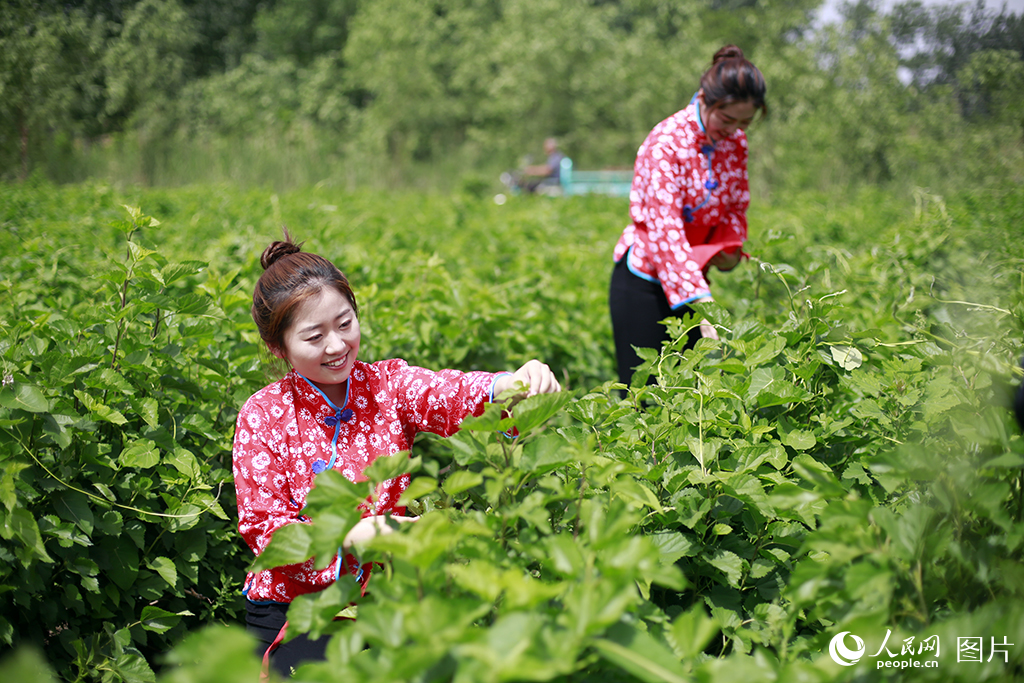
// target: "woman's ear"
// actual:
[[277, 351]]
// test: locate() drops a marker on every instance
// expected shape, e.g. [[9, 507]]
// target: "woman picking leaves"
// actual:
[[331, 411], [688, 207]]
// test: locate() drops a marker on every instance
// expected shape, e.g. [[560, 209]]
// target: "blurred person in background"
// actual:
[[538, 178], [545, 175]]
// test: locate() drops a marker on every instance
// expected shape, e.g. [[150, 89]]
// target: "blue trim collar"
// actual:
[[342, 414]]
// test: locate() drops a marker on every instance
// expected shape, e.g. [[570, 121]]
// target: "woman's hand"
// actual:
[[707, 330], [725, 259], [370, 527], [535, 375]]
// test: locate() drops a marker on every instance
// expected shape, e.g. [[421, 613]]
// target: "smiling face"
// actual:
[[722, 122], [322, 341]]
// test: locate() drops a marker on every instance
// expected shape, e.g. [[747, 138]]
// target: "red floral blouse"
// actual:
[[688, 202], [288, 432]]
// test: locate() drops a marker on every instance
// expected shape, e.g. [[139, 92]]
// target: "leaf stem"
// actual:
[[101, 498], [124, 295]]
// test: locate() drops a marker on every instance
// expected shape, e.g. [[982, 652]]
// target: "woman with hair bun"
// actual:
[[331, 411], [688, 208]]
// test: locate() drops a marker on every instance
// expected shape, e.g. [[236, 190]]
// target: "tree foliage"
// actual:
[[145, 65], [396, 88], [45, 64]]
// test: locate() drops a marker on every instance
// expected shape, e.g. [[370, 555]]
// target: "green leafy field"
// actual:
[[842, 460]]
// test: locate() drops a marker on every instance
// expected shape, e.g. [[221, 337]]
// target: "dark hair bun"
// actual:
[[727, 52], [277, 251]]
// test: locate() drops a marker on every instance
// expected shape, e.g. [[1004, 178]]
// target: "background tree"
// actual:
[[992, 82], [304, 31], [398, 91], [146, 65], [44, 57]]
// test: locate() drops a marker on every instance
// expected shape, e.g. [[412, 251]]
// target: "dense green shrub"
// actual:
[[841, 460], [118, 408]]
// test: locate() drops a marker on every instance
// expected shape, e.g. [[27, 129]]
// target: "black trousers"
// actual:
[[637, 306], [1018, 401], [265, 622]]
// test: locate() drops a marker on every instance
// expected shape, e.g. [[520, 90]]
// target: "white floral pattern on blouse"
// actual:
[[670, 173], [282, 441]]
